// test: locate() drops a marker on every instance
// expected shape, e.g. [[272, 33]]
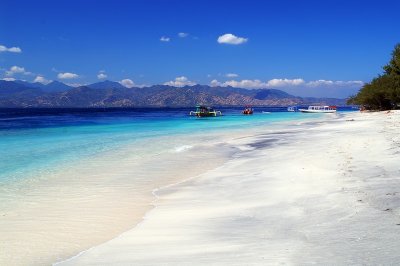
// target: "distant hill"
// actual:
[[55, 86], [113, 94], [29, 84], [107, 84], [9, 88]]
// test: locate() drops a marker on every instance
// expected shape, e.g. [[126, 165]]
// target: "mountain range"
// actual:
[[23, 94]]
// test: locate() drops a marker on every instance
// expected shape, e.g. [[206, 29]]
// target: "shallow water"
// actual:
[[32, 143]]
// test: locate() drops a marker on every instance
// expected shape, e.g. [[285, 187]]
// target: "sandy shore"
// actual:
[[56, 216], [309, 193]]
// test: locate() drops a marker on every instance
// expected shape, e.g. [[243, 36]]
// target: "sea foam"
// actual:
[[182, 148]]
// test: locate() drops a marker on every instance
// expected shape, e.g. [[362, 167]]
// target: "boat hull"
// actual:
[[316, 111], [206, 115]]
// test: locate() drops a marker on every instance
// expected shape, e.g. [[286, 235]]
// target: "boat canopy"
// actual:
[[326, 107], [202, 110]]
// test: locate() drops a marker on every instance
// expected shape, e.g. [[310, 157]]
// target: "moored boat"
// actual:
[[292, 109], [319, 109], [205, 111], [248, 110]]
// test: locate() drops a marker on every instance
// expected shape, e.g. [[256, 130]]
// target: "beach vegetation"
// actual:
[[383, 92]]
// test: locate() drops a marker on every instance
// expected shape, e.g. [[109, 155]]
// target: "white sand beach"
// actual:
[[59, 214], [304, 193]]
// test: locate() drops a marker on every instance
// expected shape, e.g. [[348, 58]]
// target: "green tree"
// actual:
[[393, 68], [383, 92]]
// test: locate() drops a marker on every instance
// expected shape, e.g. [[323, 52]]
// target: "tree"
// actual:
[[383, 92], [393, 68]]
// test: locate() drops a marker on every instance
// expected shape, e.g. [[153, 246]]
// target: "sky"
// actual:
[[307, 48]]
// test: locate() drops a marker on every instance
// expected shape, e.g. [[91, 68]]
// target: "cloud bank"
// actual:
[[298, 86], [278, 83]]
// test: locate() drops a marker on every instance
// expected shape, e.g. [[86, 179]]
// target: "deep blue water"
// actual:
[[34, 141]]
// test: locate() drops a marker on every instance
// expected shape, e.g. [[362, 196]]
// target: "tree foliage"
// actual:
[[393, 68], [383, 92]]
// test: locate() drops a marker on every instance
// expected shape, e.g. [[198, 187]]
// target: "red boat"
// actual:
[[247, 110]]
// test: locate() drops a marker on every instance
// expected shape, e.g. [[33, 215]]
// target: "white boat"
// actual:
[[205, 111], [292, 109], [319, 109]]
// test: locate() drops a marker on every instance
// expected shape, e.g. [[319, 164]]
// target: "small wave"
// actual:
[[182, 148]]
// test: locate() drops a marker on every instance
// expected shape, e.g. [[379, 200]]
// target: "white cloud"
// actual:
[[284, 82], [231, 75], [322, 82], [127, 83], [42, 80], [11, 49], [183, 34], [15, 50], [67, 75], [17, 70], [229, 38], [102, 76], [215, 83], [8, 79], [180, 82], [165, 39], [246, 83], [317, 83]]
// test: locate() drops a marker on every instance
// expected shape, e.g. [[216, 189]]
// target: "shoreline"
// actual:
[[153, 205], [133, 214], [238, 134], [64, 208], [171, 204]]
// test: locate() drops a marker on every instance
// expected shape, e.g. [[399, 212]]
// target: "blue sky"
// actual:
[[308, 48]]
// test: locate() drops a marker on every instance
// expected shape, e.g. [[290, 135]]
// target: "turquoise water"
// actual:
[[36, 142]]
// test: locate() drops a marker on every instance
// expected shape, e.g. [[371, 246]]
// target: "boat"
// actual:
[[319, 109], [292, 109], [205, 111], [248, 110]]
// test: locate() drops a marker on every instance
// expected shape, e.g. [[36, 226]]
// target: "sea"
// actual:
[[33, 142]]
